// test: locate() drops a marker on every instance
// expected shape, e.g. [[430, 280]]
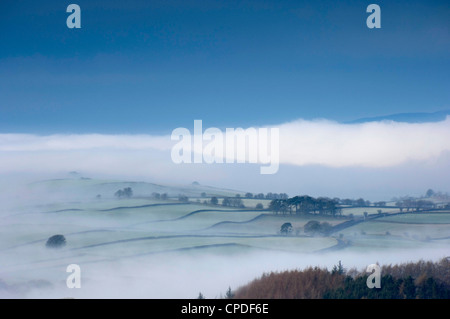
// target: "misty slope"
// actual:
[[155, 240], [85, 188], [407, 117]]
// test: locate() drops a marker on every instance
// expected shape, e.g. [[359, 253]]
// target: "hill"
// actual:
[[421, 117], [420, 280]]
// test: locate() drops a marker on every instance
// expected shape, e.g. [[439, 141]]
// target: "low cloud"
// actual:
[[372, 144], [59, 142], [322, 142]]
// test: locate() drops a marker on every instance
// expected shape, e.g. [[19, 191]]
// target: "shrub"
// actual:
[[126, 192], [315, 227], [286, 228], [56, 241]]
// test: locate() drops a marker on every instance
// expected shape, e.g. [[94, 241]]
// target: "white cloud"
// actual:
[[375, 144], [372, 144], [58, 142]]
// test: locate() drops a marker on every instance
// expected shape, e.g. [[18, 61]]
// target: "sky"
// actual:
[[138, 67], [104, 99]]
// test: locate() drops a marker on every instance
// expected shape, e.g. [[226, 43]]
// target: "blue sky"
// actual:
[[137, 70], [152, 66]]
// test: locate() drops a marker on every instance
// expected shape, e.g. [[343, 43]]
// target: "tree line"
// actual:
[[306, 205], [419, 280], [267, 196]]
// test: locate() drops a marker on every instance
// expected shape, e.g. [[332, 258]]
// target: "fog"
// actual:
[[184, 276], [142, 251], [375, 160], [301, 142], [154, 268]]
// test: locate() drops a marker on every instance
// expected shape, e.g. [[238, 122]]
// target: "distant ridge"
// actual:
[[407, 117]]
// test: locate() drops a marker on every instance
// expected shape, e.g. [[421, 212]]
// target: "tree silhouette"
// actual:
[[214, 200], [286, 228], [200, 296], [126, 192], [56, 241], [229, 294]]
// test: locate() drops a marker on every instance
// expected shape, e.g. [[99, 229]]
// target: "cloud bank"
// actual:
[[326, 143], [371, 144]]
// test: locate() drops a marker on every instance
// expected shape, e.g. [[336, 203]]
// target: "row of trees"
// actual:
[[352, 202], [233, 202], [156, 195], [267, 196], [427, 280], [401, 288], [299, 204], [127, 192], [305, 205], [313, 227]]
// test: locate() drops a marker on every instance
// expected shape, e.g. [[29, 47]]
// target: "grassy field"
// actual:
[[400, 231], [420, 218]]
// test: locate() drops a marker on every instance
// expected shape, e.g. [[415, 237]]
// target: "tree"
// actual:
[[203, 194], [275, 206], [56, 241], [126, 192], [183, 198], [347, 201], [325, 228], [156, 195], [338, 269], [286, 229], [360, 202], [226, 201], [200, 296], [214, 200], [259, 206], [408, 288], [248, 195], [313, 226], [229, 294], [429, 193], [237, 202], [233, 202], [164, 196]]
